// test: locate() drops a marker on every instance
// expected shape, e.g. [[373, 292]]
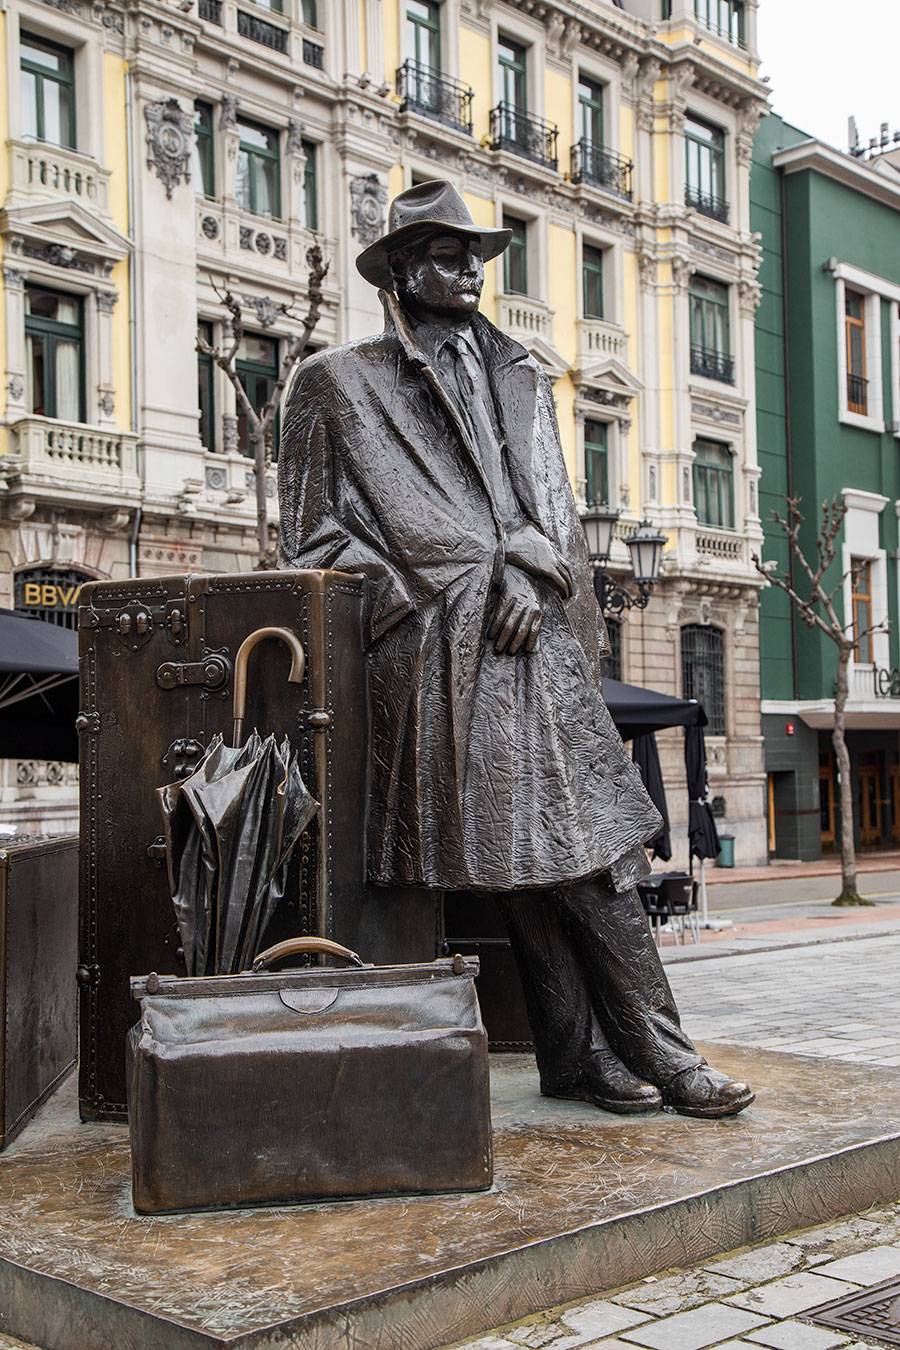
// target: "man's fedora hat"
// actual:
[[431, 208]]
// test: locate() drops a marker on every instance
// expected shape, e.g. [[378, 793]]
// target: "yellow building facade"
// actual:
[[158, 152]]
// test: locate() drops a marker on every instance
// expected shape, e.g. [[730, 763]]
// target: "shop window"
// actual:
[[206, 389], [592, 281], [257, 365], [204, 159], [47, 84], [515, 259], [596, 463], [258, 184], [54, 354], [713, 484], [703, 672]]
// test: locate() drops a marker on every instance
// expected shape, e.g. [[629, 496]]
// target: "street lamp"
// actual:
[[645, 547]]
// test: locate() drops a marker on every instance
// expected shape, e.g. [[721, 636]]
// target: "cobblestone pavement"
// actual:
[[748, 1300], [797, 1000]]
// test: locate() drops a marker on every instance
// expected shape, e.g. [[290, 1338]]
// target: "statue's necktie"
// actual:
[[470, 381]]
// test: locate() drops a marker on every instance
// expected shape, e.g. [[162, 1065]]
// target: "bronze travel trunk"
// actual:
[[157, 667], [264, 1088]]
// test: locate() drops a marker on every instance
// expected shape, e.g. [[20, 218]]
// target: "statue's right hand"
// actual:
[[517, 617]]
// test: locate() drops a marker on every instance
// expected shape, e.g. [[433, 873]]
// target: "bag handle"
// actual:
[[304, 946]]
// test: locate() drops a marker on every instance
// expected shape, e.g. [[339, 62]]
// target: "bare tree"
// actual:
[[818, 611], [261, 422]]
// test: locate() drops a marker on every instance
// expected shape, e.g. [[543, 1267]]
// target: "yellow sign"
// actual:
[[47, 595]]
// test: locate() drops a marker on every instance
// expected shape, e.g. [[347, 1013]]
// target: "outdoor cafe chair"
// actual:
[[678, 897]]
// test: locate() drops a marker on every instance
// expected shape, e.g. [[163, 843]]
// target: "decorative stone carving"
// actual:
[[280, 251], [263, 243], [368, 203], [246, 236], [216, 477], [294, 142], [228, 115], [686, 484], [210, 227], [108, 18], [556, 26], [651, 483], [16, 387], [67, 6], [749, 296], [266, 309], [13, 278], [748, 121], [58, 255], [716, 414], [170, 142], [682, 271], [646, 269], [106, 301], [701, 246], [230, 442], [107, 404]]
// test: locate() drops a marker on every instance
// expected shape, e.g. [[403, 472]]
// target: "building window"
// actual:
[[206, 389], [512, 59], [204, 163], [703, 672], [861, 593], [47, 82], [276, 6], [258, 186], [590, 112], [611, 666], [309, 14], [54, 354], [596, 463], [515, 259], [310, 187], [423, 33], [592, 281], [855, 325], [704, 188], [724, 17], [713, 484], [257, 365], [710, 340]]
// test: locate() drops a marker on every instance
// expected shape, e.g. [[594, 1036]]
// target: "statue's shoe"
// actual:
[[703, 1091], [606, 1082]]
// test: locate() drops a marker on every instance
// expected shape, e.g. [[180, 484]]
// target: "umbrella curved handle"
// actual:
[[302, 946], [241, 661]]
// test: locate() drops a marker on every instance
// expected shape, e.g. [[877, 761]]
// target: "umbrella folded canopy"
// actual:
[[645, 753], [638, 712], [702, 832], [230, 828]]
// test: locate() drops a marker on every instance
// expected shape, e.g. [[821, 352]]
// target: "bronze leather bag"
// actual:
[[278, 1087]]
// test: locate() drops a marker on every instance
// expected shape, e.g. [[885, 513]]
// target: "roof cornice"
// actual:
[[820, 158]]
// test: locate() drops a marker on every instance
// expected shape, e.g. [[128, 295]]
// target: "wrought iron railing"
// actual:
[[427, 91], [512, 128], [708, 205], [258, 30], [210, 10], [313, 54], [857, 396], [600, 167], [712, 365]]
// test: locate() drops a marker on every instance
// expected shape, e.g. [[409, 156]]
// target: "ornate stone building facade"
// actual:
[[161, 150]]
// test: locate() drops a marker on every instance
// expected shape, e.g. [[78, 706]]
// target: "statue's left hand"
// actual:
[[517, 617]]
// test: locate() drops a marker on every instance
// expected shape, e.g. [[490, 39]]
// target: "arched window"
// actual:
[[50, 593], [703, 672]]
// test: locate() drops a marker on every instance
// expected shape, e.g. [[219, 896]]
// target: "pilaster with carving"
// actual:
[[170, 142], [106, 389], [232, 137], [14, 298], [296, 165]]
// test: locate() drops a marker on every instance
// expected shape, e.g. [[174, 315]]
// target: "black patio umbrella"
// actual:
[[645, 753], [638, 712], [38, 689], [702, 832]]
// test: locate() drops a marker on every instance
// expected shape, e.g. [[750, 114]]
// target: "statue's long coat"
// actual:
[[488, 771]]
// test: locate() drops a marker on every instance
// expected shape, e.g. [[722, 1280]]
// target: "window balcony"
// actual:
[[75, 455], [598, 339], [706, 204], [522, 133], [39, 171], [261, 31], [712, 365], [717, 546], [857, 396], [432, 94], [524, 318], [599, 167], [313, 54], [210, 10]]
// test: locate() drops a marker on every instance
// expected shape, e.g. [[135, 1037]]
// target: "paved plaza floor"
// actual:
[[792, 974]]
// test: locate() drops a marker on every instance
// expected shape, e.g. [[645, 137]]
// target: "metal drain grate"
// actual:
[[874, 1312]]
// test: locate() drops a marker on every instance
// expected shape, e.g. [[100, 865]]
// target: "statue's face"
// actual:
[[440, 277]]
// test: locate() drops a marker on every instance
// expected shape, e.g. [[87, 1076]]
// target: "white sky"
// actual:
[[830, 58]]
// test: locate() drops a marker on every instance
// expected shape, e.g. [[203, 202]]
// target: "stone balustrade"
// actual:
[[520, 316], [75, 452], [598, 339], [718, 546], [39, 171]]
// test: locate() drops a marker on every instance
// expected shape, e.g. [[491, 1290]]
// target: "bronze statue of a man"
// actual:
[[428, 458]]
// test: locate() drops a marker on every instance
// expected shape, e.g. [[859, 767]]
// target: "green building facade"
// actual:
[[828, 423]]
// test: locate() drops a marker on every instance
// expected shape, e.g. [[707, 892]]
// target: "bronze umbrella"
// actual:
[[230, 829]]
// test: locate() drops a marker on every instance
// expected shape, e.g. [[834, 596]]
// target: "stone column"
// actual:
[[14, 285]]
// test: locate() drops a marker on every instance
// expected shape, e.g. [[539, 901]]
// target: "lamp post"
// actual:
[[645, 547]]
